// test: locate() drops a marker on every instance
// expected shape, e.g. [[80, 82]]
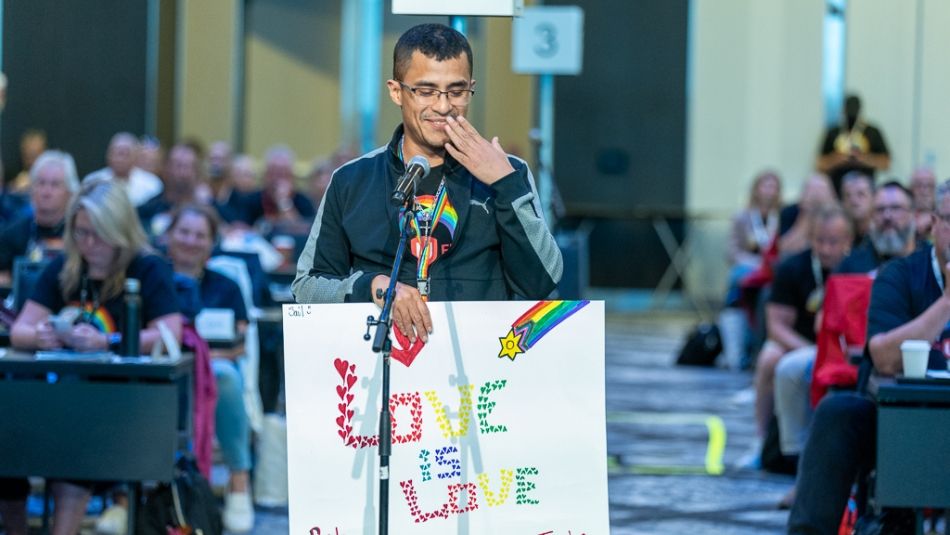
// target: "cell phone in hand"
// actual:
[[63, 322]]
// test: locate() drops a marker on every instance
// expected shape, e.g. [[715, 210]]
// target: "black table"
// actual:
[[913, 431], [96, 418]]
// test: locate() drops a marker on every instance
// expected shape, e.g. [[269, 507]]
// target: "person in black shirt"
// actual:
[[279, 203], [853, 145], [228, 200], [12, 205], [795, 219], [53, 182], [104, 246], [182, 176], [909, 300], [191, 236], [797, 294], [480, 226], [891, 236]]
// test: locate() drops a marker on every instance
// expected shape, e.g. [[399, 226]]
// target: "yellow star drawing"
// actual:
[[510, 345]]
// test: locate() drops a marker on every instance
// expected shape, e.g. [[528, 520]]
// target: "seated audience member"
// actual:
[[909, 300], [892, 232], [151, 155], [120, 159], [105, 245], [857, 191], [891, 235], [191, 237], [278, 203], [319, 177], [318, 180], [12, 205], [753, 231], [923, 183], [243, 174], [794, 219], [54, 181], [754, 228], [227, 199], [182, 176], [32, 144], [797, 293]]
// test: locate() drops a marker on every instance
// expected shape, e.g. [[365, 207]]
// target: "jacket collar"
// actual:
[[458, 181]]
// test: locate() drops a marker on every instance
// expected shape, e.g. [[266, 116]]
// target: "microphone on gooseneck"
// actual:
[[416, 170]]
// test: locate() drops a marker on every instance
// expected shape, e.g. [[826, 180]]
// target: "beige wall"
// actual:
[[754, 102], [207, 35], [882, 53], [289, 102], [754, 98], [292, 78]]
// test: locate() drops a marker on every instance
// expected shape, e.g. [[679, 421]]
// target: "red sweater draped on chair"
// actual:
[[843, 326]]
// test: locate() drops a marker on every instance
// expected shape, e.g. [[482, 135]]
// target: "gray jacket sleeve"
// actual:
[[324, 274], [531, 257]]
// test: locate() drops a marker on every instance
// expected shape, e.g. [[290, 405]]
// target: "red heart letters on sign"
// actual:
[[405, 352]]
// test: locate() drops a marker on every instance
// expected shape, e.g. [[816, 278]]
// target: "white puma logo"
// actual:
[[483, 204]]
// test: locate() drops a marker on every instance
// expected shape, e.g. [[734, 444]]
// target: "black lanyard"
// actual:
[[87, 288]]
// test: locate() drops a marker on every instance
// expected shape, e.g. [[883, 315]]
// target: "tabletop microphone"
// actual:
[[416, 170]]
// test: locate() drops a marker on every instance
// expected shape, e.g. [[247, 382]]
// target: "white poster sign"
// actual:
[[486, 8], [548, 40], [498, 421]]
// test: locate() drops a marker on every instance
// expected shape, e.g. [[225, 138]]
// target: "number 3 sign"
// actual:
[[548, 40]]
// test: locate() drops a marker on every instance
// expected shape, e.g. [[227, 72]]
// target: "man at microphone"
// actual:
[[478, 232]]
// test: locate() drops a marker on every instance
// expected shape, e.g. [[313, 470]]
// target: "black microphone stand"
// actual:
[[383, 344]]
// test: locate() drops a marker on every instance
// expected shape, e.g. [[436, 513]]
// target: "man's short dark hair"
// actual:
[[897, 185], [433, 41]]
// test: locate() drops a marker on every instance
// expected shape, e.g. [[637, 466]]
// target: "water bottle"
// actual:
[[133, 318]]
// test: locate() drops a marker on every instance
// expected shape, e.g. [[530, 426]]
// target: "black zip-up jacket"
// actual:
[[502, 248]]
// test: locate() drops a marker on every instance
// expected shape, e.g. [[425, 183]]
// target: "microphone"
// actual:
[[416, 170]]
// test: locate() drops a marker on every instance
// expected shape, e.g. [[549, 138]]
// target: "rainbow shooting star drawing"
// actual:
[[534, 324]]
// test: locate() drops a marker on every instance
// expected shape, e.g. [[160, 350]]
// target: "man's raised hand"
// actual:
[[486, 160]]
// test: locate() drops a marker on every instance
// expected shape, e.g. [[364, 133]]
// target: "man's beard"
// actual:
[[892, 241]]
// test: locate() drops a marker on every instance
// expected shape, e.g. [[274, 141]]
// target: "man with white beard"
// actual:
[[892, 234]]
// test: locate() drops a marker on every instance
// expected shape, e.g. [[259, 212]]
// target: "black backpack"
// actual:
[[703, 345], [186, 506]]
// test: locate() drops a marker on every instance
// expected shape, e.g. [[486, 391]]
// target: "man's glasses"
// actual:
[[943, 218], [893, 208], [431, 95]]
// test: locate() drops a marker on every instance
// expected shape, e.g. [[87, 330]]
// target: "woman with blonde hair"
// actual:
[[104, 246], [754, 228], [191, 236]]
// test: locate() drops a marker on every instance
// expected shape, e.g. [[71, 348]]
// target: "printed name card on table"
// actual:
[[498, 421]]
